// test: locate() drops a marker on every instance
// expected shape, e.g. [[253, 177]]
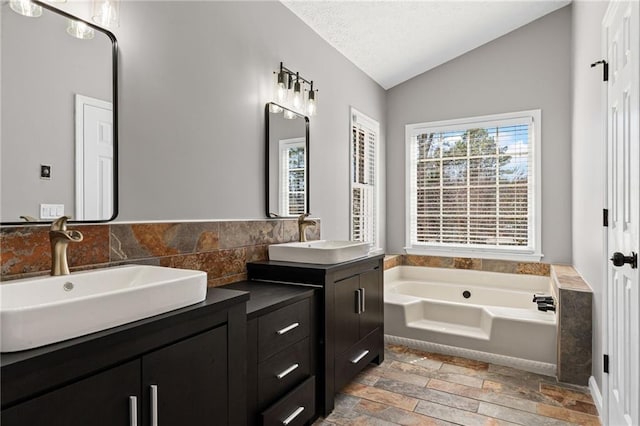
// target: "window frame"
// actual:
[[284, 145], [355, 116], [533, 252]]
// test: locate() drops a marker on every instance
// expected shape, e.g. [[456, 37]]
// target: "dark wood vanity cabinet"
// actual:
[[185, 367], [282, 343], [351, 316]]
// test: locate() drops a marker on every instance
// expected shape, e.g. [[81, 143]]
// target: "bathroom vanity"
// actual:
[[350, 320], [183, 367]]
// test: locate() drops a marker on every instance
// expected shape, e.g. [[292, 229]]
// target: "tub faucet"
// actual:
[[303, 223], [60, 238]]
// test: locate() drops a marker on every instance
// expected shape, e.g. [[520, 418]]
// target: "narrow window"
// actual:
[[364, 178], [473, 186]]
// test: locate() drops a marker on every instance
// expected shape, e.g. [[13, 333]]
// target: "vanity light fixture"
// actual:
[[290, 91], [26, 8], [79, 29], [106, 13]]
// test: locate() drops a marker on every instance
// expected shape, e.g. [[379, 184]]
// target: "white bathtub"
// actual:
[[498, 322]]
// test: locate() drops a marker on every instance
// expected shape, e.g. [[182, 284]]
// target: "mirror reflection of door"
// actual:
[[94, 158], [292, 177]]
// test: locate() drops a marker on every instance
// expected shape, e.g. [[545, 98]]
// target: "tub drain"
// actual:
[[466, 294]]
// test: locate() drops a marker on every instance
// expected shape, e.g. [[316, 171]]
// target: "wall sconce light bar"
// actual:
[[289, 88]]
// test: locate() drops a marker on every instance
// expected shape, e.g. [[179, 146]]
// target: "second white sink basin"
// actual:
[[322, 251], [39, 311]]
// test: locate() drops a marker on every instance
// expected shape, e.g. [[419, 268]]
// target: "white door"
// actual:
[[94, 159], [622, 41]]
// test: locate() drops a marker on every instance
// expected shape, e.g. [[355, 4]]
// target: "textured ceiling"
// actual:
[[393, 40]]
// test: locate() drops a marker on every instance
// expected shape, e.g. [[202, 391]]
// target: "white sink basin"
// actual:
[[322, 251], [39, 311]]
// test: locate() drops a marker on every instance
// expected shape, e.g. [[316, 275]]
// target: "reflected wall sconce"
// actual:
[[26, 8], [295, 92], [106, 13], [79, 29]]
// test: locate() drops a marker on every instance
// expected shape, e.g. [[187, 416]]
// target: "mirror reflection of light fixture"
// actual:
[[289, 90], [26, 8], [79, 29], [106, 13], [289, 115]]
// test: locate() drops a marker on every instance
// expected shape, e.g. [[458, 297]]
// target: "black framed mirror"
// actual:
[[286, 162], [59, 137]]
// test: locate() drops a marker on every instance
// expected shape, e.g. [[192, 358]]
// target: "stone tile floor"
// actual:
[[412, 387]]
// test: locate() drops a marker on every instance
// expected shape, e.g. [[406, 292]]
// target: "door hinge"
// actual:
[[605, 217], [605, 69], [605, 364]]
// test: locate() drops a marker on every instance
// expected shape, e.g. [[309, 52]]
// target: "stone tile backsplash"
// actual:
[[221, 248], [489, 265]]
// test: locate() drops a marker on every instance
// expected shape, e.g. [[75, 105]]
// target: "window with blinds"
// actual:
[[473, 184], [292, 177], [364, 175]]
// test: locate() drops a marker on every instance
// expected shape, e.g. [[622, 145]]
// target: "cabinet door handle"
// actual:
[[359, 357], [154, 405], [358, 302], [362, 296], [133, 411], [287, 371], [288, 328], [293, 416]]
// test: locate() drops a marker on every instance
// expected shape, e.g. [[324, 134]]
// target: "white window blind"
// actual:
[[473, 184], [364, 175], [292, 177]]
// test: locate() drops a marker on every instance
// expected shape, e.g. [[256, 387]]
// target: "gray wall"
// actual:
[[588, 167], [42, 69], [195, 77], [528, 68]]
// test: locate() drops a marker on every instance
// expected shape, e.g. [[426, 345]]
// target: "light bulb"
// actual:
[[80, 30], [26, 8], [280, 87], [297, 95], [312, 103]]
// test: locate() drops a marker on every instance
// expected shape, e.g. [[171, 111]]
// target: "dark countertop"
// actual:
[[266, 297], [316, 266], [62, 362]]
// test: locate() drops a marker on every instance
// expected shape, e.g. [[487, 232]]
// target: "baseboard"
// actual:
[[519, 363], [596, 395]]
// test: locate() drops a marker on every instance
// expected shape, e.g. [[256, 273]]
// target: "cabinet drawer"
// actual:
[[280, 373], [281, 328], [357, 357], [295, 408]]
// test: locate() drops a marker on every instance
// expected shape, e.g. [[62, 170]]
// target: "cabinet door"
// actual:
[[100, 400], [190, 379], [372, 309], [345, 299]]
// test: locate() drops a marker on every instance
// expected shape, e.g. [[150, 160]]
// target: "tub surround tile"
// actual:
[[392, 260], [489, 265], [574, 315]]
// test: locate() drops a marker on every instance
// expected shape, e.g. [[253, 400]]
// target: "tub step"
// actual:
[[449, 328]]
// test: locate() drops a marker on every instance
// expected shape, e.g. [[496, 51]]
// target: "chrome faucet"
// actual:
[[303, 223], [60, 238]]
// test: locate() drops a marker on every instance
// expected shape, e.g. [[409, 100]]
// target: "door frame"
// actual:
[[80, 102]]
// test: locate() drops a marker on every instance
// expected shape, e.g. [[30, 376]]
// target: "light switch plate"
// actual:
[[51, 211]]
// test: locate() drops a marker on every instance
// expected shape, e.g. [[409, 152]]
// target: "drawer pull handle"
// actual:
[[287, 371], [362, 297], [133, 411], [154, 405], [359, 357], [293, 416], [288, 328]]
